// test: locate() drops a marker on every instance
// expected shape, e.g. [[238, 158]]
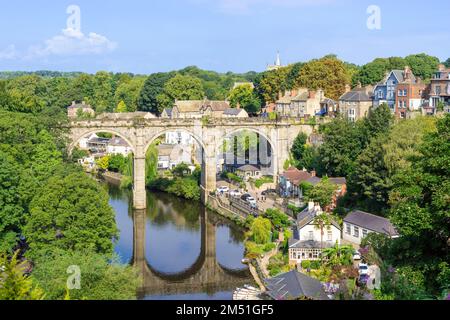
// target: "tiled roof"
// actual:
[[306, 217], [293, 285], [248, 167], [232, 112], [371, 222], [296, 176], [356, 96], [118, 142]]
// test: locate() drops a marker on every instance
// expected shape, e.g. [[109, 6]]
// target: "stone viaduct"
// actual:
[[210, 135]]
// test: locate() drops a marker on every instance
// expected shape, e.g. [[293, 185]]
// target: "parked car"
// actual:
[[252, 202], [356, 256], [235, 193], [245, 197], [269, 191], [223, 189], [363, 269]]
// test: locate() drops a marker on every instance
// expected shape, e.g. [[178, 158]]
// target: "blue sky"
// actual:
[[222, 35]]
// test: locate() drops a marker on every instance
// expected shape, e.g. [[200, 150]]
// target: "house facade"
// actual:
[[386, 91], [307, 242], [76, 109], [289, 182], [301, 103], [118, 145], [355, 104], [197, 109], [358, 224], [439, 91]]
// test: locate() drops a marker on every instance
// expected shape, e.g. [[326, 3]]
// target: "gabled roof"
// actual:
[[233, 111], [201, 105], [296, 176], [295, 285], [307, 216], [371, 222], [357, 95], [118, 142], [248, 167]]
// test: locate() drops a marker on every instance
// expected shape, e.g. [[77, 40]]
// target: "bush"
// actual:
[[306, 264], [311, 264], [269, 247], [262, 181]]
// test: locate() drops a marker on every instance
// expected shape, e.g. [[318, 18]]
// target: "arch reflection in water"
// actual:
[[183, 251]]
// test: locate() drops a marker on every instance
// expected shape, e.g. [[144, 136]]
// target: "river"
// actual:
[[183, 250]]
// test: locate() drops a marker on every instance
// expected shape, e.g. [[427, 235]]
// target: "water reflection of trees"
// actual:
[[164, 209]]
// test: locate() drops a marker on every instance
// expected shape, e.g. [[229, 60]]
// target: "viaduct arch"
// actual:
[[140, 133]]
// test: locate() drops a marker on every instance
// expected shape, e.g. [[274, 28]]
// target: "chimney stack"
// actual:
[[347, 88], [311, 94]]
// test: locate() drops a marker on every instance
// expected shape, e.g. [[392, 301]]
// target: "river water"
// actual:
[[183, 250]]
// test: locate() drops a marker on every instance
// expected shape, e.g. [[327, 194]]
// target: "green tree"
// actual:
[[328, 73], [71, 213], [447, 63], [129, 92], [299, 146], [322, 222], [261, 230], [180, 88], [11, 213], [423, 65], [322, 193], [341, 147], [14, 284], [100, 278], [339, 255], [244, 97], [370, 180], [103, 163], [121, 107], [279, 219], [102, 99]]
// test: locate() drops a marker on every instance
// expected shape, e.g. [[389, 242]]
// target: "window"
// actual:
[[364, 233], [348, 229], [311, 235], [356, 232], [438, 90], [330, 236], [400, 93], [380, 94]]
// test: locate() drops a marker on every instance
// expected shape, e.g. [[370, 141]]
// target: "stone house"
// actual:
[[301, 103], [439, 89], [358, 224], [355, 104], [307, 242], [197, 109], [75, 109]]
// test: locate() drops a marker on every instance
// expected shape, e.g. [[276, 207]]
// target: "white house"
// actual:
[[84, 142], [118, 145], [179, 137], [307, 242], [358, 224], [170, 156]]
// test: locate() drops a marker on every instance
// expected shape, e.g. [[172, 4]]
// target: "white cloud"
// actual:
[[9, 53], [73, 43]]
